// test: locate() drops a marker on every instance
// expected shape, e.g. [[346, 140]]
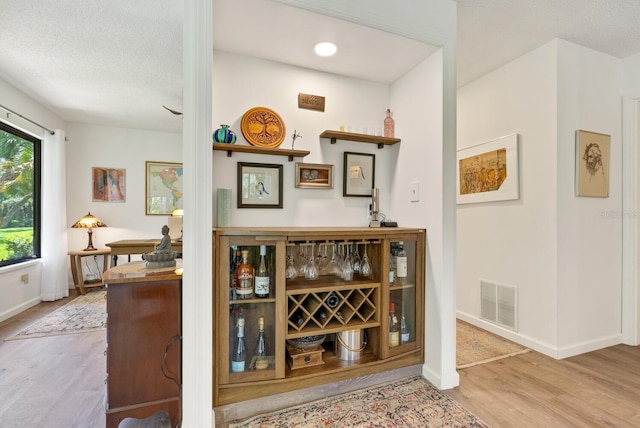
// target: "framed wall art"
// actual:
[[592, 164], [359, 171], [488, 171], [108, 184], [314, 176], [259, 185], [163, 187]]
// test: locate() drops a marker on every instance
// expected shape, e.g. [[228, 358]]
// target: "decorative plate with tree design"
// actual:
[[263, 127]]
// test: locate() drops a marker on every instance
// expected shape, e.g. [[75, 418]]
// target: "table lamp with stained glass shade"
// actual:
[[89, 221]]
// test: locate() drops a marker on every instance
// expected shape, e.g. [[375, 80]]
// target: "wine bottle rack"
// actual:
[[310, 313]]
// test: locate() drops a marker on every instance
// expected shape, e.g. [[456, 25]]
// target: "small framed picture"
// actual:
[[314, 176], [592, 164], [163, 187], [259, 185], [358, 174], [108, 184]]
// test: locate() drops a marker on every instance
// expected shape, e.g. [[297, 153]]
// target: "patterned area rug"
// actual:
[[408, 402], [85, 313], [476, 346]]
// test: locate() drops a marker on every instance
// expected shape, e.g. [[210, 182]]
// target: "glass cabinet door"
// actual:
[[254, 273], [403, 324]]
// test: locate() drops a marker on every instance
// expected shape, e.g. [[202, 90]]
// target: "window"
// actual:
[[19, 196]]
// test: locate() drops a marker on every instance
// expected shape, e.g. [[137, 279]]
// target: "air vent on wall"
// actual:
[[498, 304]]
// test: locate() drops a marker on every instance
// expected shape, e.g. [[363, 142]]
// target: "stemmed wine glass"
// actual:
[[333, 268], [365, 266], [311, 271], [347, 267], [355, 259], [291, 271]]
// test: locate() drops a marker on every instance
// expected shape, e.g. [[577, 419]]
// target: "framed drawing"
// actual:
[[259, 185], [359, 172], [592, 164], [163, 187], [314, 175], [108, 184], [489, 171]]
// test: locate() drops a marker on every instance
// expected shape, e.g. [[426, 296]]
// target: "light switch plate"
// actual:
[[414, 188]]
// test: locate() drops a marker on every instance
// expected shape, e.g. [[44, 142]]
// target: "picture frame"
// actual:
[[314, 176], [489, 171], [592, 164], [359, 171], [163, 187], [108, 184], [259, 185]]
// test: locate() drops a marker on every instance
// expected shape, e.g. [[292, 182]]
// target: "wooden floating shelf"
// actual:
[[361, 138], [230, 148]]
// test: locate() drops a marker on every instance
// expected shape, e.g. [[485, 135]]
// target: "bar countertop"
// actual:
[[137, 272]]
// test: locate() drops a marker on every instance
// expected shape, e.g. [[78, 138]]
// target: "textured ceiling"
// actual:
[[116, 62]]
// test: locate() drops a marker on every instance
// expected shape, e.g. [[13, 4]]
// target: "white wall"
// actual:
[[559, 250], [100, 146], [16, 296], [242, 83], [589, 229]]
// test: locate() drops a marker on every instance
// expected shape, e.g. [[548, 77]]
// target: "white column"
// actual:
[[198, 216]]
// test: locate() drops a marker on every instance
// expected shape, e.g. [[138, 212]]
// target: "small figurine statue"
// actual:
[[293, 137], [162, 255]]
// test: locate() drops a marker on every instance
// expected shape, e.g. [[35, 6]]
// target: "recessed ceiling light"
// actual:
[[325, 48]]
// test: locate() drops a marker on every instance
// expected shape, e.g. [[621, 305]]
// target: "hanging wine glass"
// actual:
[[365, 265], [355, 259], [333, 268], [347, 267], [311, 271], [302, 260], [291, 271]]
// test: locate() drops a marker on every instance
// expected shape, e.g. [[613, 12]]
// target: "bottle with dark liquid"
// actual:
[[244, 277], [394, 327]]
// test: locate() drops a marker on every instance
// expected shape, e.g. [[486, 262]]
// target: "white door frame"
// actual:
[[630, 216]]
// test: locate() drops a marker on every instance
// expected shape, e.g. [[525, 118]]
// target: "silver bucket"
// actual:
[[350, 344]]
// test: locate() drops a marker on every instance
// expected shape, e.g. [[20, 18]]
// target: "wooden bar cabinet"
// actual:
[[333, 306]]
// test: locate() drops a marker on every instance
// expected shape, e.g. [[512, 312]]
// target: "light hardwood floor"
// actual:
[[58, 382]]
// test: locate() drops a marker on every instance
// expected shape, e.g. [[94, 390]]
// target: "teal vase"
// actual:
[[224, 135]]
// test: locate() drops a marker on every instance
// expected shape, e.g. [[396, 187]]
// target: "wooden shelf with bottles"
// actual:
[[230, 148], [334, 136], [298, 307]]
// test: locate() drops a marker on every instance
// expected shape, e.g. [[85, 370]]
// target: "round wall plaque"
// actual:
[[263, 127]]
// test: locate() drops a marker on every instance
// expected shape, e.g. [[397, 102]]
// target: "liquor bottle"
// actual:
[[261, 349], [405, 336], [237, 260], [392, 269], [244, 275], [401, 265], [261, 280], [389, 125], [394, 327], [240, 354]]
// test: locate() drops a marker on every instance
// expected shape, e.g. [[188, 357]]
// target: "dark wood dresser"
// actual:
[[144, 342]]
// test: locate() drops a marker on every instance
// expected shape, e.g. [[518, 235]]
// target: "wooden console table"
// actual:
[[75, 259], [144, 349], [137, 246]]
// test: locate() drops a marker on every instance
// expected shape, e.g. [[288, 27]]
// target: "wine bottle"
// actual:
[[394, 327], [261, 280], [405, 336], [262, 362], [401, 265], [240, 354], [244, 277]]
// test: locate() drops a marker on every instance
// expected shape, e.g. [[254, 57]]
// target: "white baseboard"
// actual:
[[19, 308]]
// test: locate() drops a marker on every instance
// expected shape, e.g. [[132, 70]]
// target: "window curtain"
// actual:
[[55, 283]]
